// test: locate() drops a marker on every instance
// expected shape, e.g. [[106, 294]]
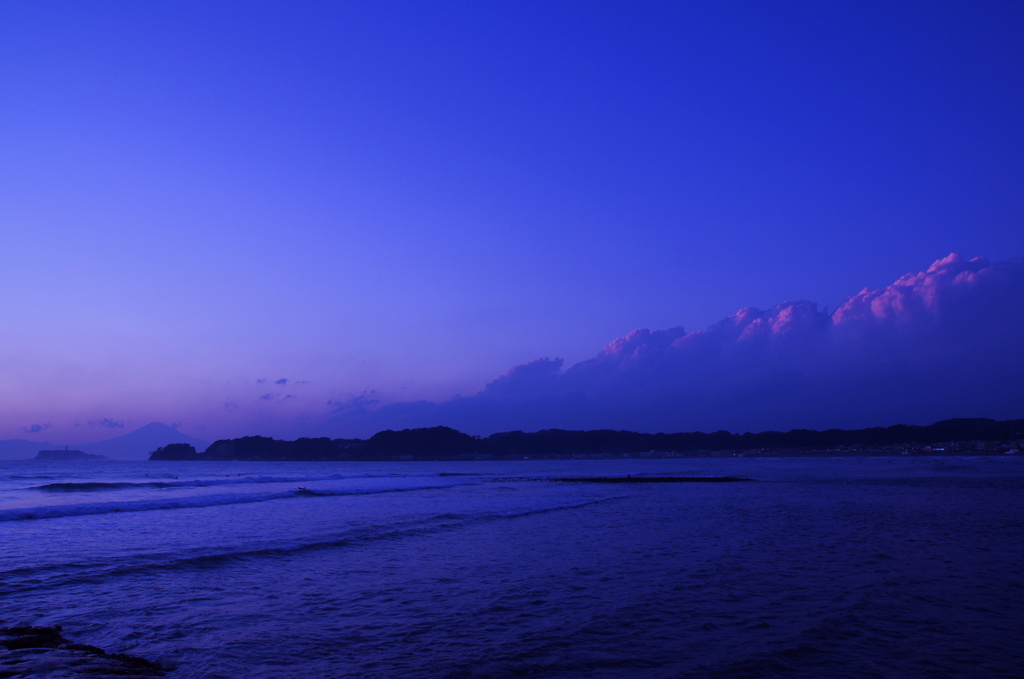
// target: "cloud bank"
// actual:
[[941, 343]]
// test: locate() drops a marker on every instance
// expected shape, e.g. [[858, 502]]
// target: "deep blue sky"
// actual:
[[408, 198]]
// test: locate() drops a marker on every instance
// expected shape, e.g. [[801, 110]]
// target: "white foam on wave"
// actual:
[[195, 501], [92, 486], [56, 575]]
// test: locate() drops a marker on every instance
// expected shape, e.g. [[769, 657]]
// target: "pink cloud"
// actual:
[[944, 342], [930, 296]]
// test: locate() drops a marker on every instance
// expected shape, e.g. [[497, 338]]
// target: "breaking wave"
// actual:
[[55, 575], [91, 486], [192, 502]]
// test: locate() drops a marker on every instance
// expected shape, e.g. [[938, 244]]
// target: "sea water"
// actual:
[[827, 567]]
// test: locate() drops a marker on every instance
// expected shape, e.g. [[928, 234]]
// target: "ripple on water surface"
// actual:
[[839, 568]]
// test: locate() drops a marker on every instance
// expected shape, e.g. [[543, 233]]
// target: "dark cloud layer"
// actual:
[[946, 342], [106, 422]]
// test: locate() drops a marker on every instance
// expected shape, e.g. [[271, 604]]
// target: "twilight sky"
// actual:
[[327, 218]]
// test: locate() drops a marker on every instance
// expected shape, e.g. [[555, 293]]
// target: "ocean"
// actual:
[[816, 567]]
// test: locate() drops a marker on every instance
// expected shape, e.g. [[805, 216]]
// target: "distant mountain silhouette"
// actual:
[[137, 445], [134, 445]]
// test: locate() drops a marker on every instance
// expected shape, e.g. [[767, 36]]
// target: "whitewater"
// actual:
[[837, 567]]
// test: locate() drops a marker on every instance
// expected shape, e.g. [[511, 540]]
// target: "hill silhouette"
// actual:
[[138, 444], [444, 443]]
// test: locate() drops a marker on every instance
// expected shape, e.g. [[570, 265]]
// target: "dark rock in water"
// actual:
[[30, 651], [31, 637], [67, 455]]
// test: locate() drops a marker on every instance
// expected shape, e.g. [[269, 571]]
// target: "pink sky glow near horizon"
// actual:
[[334, 218]]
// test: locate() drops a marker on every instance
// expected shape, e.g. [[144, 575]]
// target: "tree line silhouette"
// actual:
[[445, 443]]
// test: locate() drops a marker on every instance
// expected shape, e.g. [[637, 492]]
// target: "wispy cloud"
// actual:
[[36, 428], [361, 405], [106, 422]]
